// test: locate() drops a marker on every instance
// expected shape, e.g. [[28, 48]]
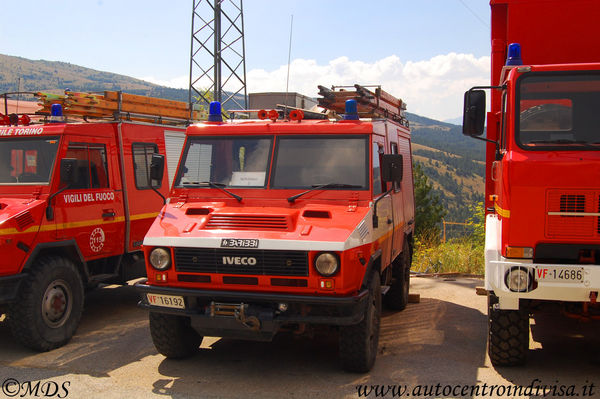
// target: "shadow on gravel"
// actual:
[[433, 335], [113, 332]]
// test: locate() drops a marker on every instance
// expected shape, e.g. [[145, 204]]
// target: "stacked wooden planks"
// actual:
[[113, 104], [378, 104]]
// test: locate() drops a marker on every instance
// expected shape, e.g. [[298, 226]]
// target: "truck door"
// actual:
[[383, 232], [91, 211], [398, 210]]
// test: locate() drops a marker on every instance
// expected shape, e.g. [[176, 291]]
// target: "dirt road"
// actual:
[[438, 343]]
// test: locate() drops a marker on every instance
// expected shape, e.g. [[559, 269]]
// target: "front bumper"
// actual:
[[263, 307], [9, 287], [570, 290]]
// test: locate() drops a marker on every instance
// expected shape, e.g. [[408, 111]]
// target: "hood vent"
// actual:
[[24, 220], [572, 213], [572, 203], [247, 222]]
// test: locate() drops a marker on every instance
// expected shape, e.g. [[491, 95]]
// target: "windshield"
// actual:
[[228, 162], [559, 111], [27, 161], [309, 161]]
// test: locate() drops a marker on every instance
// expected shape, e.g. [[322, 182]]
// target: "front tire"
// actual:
[[48, 308], [508, 335], [173, 336], [358, 343]]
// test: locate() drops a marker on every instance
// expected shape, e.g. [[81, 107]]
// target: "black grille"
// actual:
[[572, 203], [228, 261]]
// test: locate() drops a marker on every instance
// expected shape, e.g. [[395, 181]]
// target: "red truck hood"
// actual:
[[314, 227], [12, 207]]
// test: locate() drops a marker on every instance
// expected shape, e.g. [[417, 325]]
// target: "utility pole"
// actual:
[[217, 58]]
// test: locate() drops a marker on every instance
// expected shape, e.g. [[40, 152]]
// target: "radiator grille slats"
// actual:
[[247, 222], [563, 207], [247, 262]]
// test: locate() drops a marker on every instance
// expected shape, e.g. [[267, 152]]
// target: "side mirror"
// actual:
[[392, 168], [474, 113], [157, 167], [68, 169]]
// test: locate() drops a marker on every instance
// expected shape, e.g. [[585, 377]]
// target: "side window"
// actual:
[[395, 151], [377, 151], [92, 168], [142, 158]]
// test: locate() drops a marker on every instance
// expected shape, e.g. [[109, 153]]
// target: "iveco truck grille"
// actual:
[[254, 262]]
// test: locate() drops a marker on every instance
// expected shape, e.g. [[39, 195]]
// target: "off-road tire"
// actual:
[[173, 336], [49, 304], [359, 342], [508, 335], [397, 296]]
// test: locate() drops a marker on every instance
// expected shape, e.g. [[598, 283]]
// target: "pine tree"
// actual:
[[429, 210]]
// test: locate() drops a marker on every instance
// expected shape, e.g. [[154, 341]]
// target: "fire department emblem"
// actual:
[[97, 239]]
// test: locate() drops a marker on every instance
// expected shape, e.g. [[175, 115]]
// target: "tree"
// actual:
[[429, 210]]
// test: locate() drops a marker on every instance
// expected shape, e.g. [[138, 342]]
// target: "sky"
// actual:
[[426, 52]]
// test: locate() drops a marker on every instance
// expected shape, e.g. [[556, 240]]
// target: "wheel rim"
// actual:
[[56, 304]]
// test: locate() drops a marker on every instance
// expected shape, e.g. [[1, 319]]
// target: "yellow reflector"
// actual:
[[519, 252]]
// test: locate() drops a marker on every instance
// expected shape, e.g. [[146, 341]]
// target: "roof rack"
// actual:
[[377, 104], [107, 105], [118, 105]]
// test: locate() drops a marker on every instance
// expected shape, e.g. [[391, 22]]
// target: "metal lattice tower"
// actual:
[[217, 61]]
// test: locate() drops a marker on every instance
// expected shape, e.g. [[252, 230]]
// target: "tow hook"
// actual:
[[237, 311]]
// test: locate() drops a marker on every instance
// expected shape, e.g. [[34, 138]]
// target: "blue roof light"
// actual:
[[514, 55], [214, 112], [56, 110], [351, 111]]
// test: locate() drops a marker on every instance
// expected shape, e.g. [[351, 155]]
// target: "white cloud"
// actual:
[[179, 82], [432, 88]]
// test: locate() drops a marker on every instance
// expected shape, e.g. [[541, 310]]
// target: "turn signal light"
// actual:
[[519, 252]]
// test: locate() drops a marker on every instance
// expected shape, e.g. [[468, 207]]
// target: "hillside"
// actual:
[[54, 76], [452, 162]]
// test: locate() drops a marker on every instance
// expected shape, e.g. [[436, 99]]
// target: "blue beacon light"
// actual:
[[56, 113], [351, 111], [214, 112], [514, 55]]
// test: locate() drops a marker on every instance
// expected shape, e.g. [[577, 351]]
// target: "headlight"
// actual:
[[160, 258], [327, 264], [518, 279]]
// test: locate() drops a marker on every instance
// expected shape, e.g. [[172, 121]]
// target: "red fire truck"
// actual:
[[281, 224], [76, 200], [542, 249]]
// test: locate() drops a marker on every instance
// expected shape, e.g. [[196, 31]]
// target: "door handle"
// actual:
[[108, 214]]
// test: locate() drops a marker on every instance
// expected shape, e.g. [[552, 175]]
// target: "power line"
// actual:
[[475, 14]]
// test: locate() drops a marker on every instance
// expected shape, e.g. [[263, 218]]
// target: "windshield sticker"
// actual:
[[97, 239], [22, 131], [76, 198]]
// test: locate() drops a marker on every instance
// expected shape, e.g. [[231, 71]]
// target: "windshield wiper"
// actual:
[[319, 186], [558, 141], [218, 186]]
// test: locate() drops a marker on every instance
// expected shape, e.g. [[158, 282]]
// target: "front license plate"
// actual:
[[238, 243], [166, 301], [559, 274]]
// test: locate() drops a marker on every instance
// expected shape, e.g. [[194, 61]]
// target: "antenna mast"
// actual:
[[217, 60]]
